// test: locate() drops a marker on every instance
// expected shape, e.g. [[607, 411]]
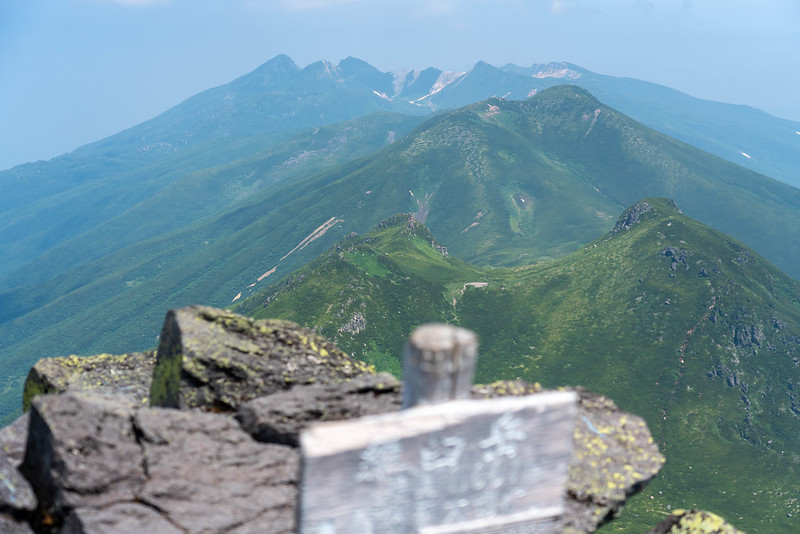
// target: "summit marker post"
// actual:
[[441, 466]]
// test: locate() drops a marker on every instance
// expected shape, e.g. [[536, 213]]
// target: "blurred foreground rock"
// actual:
[[102, 460], [694, 522], [212, 358], [125, 374]]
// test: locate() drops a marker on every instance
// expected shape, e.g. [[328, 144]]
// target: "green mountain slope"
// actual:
[[502, 183], [673, 320], [184, 190], [45, 203]]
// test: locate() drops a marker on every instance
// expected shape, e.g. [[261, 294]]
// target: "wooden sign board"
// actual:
[[467, 466]]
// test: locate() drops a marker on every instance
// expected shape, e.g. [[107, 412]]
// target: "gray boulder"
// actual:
[[10, 525], [122, 518], [13, 439], [114, 374], [279, 418], [82, 451], [214, 359], [206, 475], [88, 455]]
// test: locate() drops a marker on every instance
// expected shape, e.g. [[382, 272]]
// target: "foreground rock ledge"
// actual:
[[110, 463], [215, 359], [101, 461]]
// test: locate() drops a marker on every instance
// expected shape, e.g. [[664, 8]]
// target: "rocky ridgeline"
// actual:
[[202, 436]]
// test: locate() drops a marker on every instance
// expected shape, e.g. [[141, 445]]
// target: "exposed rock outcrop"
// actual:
[[215, 359], [126, 374], [97, 460], [13, 439], [280, 418], [694, 522], [101, 462]]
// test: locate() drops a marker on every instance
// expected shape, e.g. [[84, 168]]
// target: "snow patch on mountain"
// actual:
[[557, 70], [444, 79], [400, 80], [330, 71]]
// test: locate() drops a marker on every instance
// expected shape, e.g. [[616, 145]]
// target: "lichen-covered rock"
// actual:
[[215, 359], [13, 439], [279, 418], [110, 463], [613, 455], [694, 522], [505, 388], [613, 458], [124, 374]]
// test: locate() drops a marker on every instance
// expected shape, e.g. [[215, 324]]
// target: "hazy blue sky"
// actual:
[[74, 71]]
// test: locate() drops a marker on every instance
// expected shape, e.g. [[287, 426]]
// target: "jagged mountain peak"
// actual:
[[279, 67], [483, 66], [322, 69], [353, 66], [645, 209]]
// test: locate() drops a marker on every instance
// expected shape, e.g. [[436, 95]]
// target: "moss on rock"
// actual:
[[216, 359], [125, 374]]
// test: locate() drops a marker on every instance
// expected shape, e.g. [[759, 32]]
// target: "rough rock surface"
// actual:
[[82, 451], [101, 463], [89, 454], [10, 525], [215, 359], [613, 458], [279, 418], [13, 439], [631, 217], [124, 374], [206, 475], [16, 493], [122, 518], [694, 522]]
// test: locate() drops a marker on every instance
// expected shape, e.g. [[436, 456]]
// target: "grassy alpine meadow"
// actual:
[[673, 320]]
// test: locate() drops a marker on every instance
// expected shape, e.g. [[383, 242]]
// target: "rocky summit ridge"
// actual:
[[210, 443]]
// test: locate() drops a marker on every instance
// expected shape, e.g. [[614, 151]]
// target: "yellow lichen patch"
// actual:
[[611, 455], [699, 522], [102, 372]]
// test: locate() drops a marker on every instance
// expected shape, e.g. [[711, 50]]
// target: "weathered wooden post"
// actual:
[[438, 364], [458, 467]]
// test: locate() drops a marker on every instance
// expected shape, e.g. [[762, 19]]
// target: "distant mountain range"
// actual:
[[500, 182], [95, 183], [672, 319], [522, 172]]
